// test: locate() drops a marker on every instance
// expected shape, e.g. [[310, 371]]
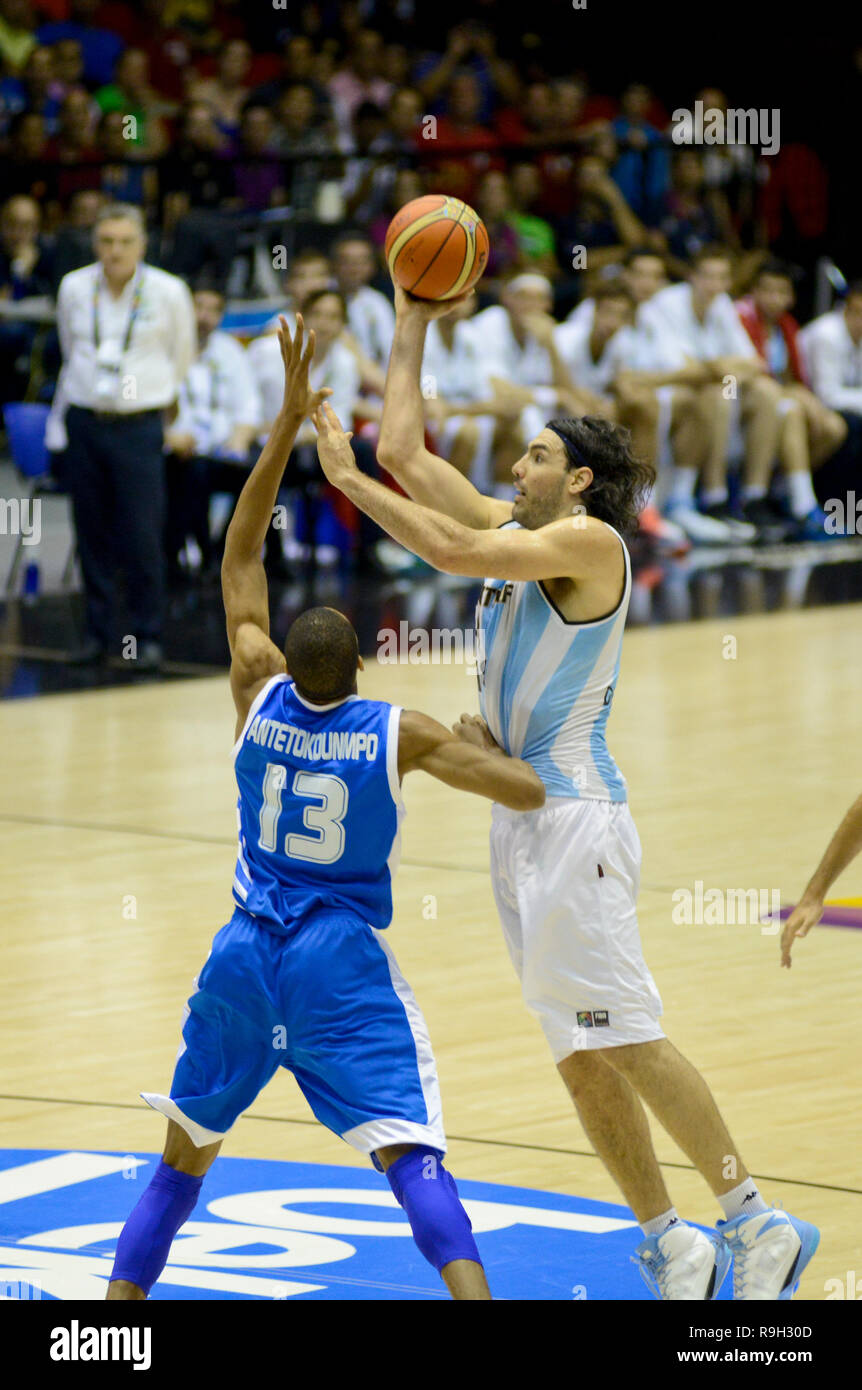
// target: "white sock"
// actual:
[[683, 483], [713, 496], [743, 1200], [801, 493], [660, 1224], [753, 493]]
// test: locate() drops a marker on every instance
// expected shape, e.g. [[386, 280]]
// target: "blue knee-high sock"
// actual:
[[145, 1240], [427, 1192]]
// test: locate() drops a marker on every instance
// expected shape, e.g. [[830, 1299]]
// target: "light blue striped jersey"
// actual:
[[546, 684], [319, 809]]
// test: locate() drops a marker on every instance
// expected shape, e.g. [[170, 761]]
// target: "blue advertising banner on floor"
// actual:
[[273, 1230]]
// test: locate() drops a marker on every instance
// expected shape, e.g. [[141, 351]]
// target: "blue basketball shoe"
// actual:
[[682, 1263], [770, 1250]]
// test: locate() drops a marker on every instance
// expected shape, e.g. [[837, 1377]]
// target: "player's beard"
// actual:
[[534, 512]]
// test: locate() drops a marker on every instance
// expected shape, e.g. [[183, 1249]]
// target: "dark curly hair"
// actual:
[[621, 481]]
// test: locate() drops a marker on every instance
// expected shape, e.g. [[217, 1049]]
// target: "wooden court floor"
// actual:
[[118, 833]]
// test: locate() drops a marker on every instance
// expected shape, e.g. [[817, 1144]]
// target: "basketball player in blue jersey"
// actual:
[[566, 877], [301, 976]]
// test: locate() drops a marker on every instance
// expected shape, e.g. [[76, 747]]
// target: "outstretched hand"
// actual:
[[299, 399], [333, 445]]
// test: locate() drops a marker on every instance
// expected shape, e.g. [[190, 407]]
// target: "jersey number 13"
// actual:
[[326, 819]]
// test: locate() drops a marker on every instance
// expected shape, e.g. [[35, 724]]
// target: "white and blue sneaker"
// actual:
[[682, 1263], [770, 1250]]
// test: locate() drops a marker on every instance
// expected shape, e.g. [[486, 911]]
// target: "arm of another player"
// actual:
[[426, 746], [572, 548], [254, 658], [426, 477], [843, 847]]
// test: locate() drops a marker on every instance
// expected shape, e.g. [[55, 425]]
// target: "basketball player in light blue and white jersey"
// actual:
[[566, 877], [302, 977]]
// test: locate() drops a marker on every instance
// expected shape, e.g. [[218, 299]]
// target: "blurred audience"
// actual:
[[265, 157]]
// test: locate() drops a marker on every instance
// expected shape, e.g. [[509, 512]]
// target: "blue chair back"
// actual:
[[25, 425]]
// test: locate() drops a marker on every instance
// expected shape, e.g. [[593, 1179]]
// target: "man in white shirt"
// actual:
[[127, 335], [460, 412], [219, 413], [601, 350], [676, 420], [333, 366], [693, 336], [832, 349], [523, 370], [370, 314], [597, 352]]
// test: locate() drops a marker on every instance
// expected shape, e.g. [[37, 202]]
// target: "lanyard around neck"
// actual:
[[136, 304]]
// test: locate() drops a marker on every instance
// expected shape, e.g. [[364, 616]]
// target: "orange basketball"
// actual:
[[436, 247]]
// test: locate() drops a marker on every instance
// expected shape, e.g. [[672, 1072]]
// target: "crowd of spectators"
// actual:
[[264, 155], [169, 105]]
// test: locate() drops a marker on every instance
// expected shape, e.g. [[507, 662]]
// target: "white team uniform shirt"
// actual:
[[371, 318], [503, 356], [546, 684], [833, 361], [162, 345], [573, 344], [457, 377], [337, 370], [673, 333], [219, 392]]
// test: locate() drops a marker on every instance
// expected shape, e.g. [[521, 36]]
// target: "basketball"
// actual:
[[436, 247]]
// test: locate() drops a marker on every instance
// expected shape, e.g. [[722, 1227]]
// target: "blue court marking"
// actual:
[[273, 1230]]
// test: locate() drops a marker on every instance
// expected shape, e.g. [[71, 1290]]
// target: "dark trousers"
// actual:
[[114, 472]]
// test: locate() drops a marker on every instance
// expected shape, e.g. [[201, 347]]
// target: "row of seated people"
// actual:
[[710, 388]]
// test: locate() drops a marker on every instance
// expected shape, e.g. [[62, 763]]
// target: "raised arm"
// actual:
[[426, 746], [574, 547], [424, 476], [254, 658]]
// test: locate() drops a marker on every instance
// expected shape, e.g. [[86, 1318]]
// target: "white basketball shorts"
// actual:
[[566, 880]]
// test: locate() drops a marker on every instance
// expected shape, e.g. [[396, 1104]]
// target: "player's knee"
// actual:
[[761, 393], [429, 1196], [834, 429]]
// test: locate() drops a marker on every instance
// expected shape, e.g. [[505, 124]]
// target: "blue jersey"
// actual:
[[319, 809], [546, 684]]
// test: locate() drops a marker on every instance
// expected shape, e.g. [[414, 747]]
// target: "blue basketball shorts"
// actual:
[[329, 1004]]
